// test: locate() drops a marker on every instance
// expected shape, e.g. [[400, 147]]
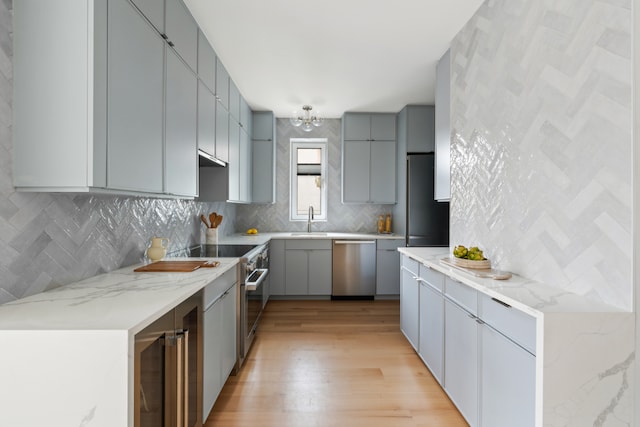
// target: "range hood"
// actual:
[[207, 160]]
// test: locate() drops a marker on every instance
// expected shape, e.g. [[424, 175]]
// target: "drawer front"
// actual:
[[308, 244], [219, 286], [511, 322], [462, 294], [410, 265], [432, 277], [391, 244]]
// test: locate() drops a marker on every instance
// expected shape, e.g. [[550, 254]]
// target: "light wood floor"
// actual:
[[333, 363]]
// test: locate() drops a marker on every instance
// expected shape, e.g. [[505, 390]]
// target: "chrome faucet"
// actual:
[[310, 217]]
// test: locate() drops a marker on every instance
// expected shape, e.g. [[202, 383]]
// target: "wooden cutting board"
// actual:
[[176, 266]]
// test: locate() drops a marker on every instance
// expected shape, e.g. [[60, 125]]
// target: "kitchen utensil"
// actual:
[[176, 266], [212, 218], [217, 222], [204, 220]]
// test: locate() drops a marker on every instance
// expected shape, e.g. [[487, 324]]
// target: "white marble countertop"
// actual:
[[242, 239], [532, 297], [120, 300]]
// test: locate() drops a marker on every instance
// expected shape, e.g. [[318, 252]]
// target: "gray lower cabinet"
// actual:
[[181, 156], [388, 267], [308, 267], [431, 325], [277, 267], [461, 366], [135, 101], [219, 336], [409, 301]]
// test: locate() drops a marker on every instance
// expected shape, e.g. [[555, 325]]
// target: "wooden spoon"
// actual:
[[212, 218], [217, 222], [204, 220]]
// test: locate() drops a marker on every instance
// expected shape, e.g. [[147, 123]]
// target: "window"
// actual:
[[308, 178]]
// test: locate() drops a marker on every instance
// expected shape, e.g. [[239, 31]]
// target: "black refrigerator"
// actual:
[[427, 220]]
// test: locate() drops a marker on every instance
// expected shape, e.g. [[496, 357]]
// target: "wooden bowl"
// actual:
[[467, 263]]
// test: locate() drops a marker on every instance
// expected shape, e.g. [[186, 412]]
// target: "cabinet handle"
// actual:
[[479, 321], [164, 36], [171, 44], [501, 303]]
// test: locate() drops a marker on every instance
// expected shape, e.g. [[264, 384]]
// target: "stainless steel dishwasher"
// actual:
[[354, 269]]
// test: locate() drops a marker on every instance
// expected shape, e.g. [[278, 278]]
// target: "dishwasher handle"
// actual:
[[354, 242]]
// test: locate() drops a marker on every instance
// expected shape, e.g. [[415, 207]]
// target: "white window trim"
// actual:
[[323, 144]]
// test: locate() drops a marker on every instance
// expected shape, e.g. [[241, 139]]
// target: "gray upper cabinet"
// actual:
[[233, 169], [206, 119], [180, 128], [263, 188], [245, 167], [443, 129], [182, 32], [222, 84], [153, 10], [206, 62], [246, 117], [222, 133], [416, 128], [234, 101], [369, 158], [135, 101]]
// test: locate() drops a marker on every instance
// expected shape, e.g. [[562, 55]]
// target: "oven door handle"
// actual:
[[252, 286]]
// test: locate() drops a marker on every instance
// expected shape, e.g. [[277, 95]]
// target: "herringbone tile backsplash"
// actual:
[[47, 240], [542, 142]]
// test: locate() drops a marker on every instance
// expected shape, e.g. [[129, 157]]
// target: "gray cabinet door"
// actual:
[[357, 127], [234, 101], [263, 126], [355, 171], [262, 172], [431, 347], [135, 101], [206, 62], [387, 272], [229, 329], [319, 272], [222, 84], [181, 149], [182, 32], [383, 127], [420, 130], [508, 382], [222, 133], [206, 119], [409, 308], [277, 267], [212, 355], [461, 368], [245, 166], [383, 172], [443, 129], [153, 10], [246, 115], [234, 162], [296, 272]]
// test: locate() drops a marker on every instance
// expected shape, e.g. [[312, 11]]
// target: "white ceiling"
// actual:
[[337, 55]]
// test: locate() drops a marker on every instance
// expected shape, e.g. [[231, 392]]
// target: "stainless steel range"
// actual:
[[253, 272]]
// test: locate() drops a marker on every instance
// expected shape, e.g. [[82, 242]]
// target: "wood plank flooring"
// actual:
[[333, 363]]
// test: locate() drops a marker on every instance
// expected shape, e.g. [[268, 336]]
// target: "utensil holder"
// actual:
[[211, 237]]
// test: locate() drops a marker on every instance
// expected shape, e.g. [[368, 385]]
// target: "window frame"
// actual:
[[318, 143]]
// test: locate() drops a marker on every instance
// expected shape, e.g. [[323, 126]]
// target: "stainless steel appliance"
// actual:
[[427, 220], [354, 269], [253, 275], [168, 369]]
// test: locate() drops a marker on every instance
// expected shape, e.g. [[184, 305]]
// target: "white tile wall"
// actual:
[[47, 240], [542, 142]]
